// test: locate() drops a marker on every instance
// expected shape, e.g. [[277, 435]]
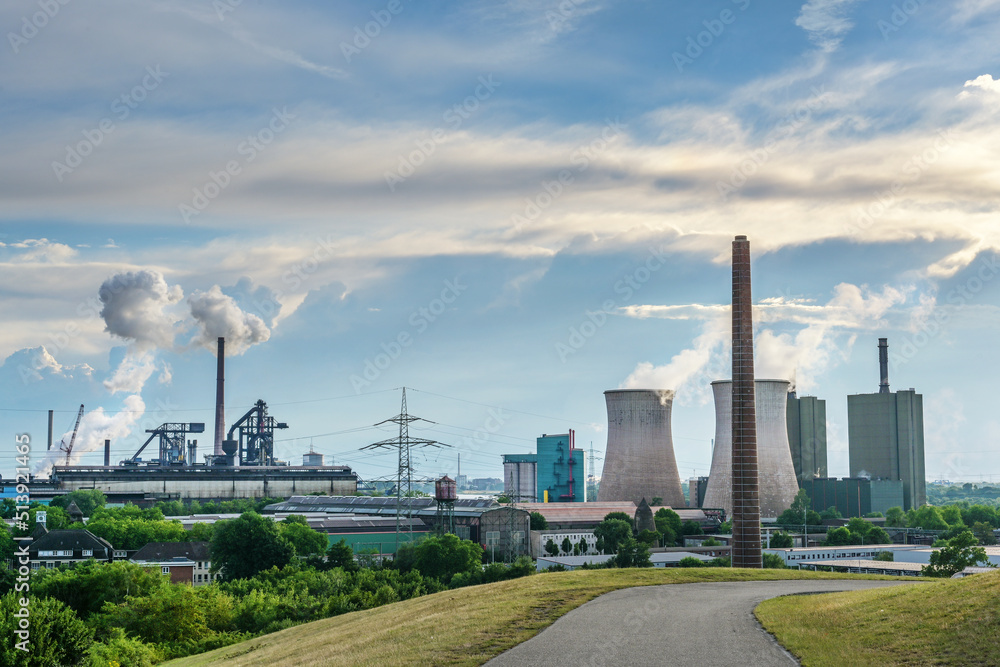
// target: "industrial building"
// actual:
[[561, 470], [776, 474], [696, 491], [806, 422], [584, 516], [501, 530], [520, 472], [885, 434], [639, 461], [854, 496]]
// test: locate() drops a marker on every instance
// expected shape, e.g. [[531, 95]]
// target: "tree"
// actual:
[[657, 500], [441, 557], [690, 561], [307, 542], [619, 515], [711, 542], [952, 515], [927, 517], [567, 545], [781, 541], [538, 522], [669, 518], [877, 535], [56, 636], [551, 548], [340, 554], [961, 552], [774, 562], [88, 586], [86, 499], [691, 528], [169, 614], [984, 533], [838, 537], [886, 556], [649, 537], [632, 553], [831, 513], [243, 547], [726, 528], [894, 517], [584, 547], [793, 515], [613, 532]]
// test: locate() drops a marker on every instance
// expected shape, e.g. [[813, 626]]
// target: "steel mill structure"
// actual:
[[746, 500], [639, 462], [777, 484]]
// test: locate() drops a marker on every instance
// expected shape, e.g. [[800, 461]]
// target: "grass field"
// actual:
[[945, 622], [466, 626]]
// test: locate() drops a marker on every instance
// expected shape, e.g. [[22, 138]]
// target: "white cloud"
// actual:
[[826, 21]]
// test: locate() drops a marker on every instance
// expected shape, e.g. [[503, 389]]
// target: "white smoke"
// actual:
[[826, 339], [95, 427], [133, 371], [136, 308], [217, 314]]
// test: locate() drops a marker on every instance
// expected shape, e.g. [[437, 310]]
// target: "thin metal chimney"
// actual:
[[883, 365], [220, 398], [107, 452], [746, 548], [50, 429]]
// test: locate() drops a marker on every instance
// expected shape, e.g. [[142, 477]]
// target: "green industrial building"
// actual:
[[885, 434], [854, 496], [806, 419], [561, 470]]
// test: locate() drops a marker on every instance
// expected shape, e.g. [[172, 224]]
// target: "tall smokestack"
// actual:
[[220, 398], [746, 550], [883, 365], [50, 429], [107, 452]]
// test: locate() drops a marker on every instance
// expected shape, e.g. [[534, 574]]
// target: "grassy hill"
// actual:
[[466, 626], [946, 622]]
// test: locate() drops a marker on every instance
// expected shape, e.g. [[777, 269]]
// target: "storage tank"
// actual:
[[639, 461], [777, 482], [445, 490]]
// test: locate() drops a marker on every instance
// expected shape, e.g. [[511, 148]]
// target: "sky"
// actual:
[[506, 207]]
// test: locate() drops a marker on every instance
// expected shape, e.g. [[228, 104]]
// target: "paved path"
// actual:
[[680, 624]]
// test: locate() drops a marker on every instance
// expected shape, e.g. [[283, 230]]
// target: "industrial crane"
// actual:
[[72, 439]]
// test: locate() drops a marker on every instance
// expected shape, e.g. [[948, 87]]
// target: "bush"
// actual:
[[57, 636], [774, 562], [122, 650]]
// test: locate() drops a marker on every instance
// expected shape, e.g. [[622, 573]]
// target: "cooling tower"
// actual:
[[776, 474], [639, 462]]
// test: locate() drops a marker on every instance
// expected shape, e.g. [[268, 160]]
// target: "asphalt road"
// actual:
[[680, 624]]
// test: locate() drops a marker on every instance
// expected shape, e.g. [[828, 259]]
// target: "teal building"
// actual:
[[561, 475]]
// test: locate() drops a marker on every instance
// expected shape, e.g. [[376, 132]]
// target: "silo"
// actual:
[[639, 462], [777, 481]]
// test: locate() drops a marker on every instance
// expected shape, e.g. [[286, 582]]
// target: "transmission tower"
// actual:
[[404, 471]]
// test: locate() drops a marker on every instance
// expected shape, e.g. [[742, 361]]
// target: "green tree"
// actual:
[[927, 517], [538, 522], [726, 528], [441, 557], [952, 515], [121, 650], [793, 515], [831, 513], [613, 532], [877, 535], [894, 517], [551, 548], [169, 614], [838, 537], [307, 542], [711, 542], [691, 528], [86, 499], [341, 555], [781, 540], [245, 546], [690, 561], [962, 551], [57, 636], [984, 533], [632, 553], [657, 500], [886, 556], [649, 537], [622, 516], [666, 517], [567, 545], [584, 547], [774, 562], [87, 587]]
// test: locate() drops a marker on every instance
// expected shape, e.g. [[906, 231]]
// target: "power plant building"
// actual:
[[776, 473], [854, 496], [519, 477], [561, 470], [885, 434], [806, 417], [639, 461]]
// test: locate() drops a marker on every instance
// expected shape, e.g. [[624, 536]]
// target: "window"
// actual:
[[165, 569], [35, 565], [43, 554], [50, 565], [88, 553], [492, 537]]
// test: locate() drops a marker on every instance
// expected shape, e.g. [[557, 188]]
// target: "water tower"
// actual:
[[445, 493]]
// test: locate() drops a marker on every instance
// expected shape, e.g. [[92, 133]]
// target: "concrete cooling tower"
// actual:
[[778, 484], [639, 462]]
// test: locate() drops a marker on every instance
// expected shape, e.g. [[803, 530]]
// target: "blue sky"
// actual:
[[537, 198]]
